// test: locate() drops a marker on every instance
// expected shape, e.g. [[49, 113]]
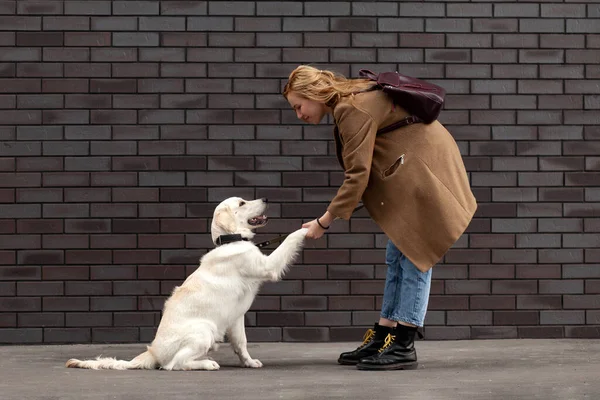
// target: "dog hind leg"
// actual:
[[195, 347], [207, 365], [186, 359]]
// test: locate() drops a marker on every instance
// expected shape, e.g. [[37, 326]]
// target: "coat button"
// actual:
[[382, 203]]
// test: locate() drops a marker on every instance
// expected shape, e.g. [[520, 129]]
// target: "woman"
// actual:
[[414, 185]]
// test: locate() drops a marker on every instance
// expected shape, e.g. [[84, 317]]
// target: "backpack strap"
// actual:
[[368, 74], [411, 119]]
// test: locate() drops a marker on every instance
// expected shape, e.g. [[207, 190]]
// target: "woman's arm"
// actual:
[[358, 130]]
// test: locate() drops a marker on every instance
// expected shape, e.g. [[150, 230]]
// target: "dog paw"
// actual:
[[252, 363], [210, 365], [299, 235]]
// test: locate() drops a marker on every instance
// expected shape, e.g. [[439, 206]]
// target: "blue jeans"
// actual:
[[406, 292]]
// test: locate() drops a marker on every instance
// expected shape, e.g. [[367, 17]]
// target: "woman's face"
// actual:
[[310, 111]]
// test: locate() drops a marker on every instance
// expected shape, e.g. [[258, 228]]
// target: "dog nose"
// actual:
[[265, 200]]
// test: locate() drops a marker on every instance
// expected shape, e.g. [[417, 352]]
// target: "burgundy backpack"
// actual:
[[422, 99]]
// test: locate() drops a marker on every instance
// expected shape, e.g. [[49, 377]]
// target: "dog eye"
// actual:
[[242, 203]]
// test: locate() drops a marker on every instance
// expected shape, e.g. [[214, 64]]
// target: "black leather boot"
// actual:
[[372, 342], [397, 352]]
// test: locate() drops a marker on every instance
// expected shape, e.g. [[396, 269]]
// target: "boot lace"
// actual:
[[367, 338], [389, 339]]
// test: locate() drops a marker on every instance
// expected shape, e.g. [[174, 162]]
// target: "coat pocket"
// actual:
[[392, 168]]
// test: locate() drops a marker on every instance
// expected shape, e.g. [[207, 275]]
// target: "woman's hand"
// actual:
[[314, 230]]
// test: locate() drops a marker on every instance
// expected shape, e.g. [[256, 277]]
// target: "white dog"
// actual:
[[213, 300]]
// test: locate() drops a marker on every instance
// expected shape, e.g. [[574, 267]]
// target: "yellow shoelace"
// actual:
[[389, 339], [368, 335]]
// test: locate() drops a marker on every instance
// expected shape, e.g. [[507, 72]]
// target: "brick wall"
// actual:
[[122, 124]]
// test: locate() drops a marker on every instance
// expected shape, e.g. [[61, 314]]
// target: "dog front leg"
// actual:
[[237, 336], [284, 255]]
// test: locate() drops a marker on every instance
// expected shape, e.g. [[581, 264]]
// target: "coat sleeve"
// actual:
[[358, 130]]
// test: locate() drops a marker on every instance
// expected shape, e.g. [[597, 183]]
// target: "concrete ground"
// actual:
[[484, 369]]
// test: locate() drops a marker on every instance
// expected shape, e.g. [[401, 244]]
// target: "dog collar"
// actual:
[[224, 239]]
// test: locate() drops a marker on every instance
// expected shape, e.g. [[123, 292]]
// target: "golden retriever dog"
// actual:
[[212, 301]]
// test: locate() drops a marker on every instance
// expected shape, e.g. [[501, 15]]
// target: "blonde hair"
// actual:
[[322, 85]]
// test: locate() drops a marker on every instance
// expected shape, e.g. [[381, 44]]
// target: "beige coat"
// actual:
[[412, 180]]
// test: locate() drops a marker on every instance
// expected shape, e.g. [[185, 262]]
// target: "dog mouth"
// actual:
[[259, 220]]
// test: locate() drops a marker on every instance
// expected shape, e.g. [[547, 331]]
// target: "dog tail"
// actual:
[[144, 361]]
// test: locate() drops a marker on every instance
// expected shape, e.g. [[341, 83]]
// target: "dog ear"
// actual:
[[224, 219]]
